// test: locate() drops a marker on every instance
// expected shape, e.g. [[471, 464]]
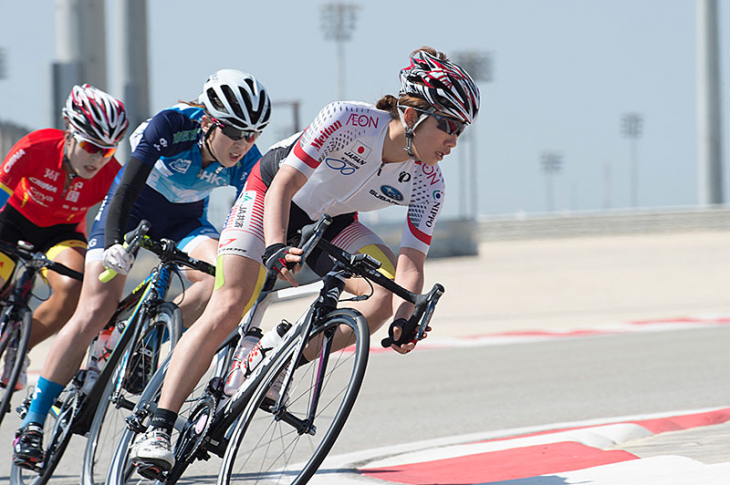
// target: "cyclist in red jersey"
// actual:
[[48, 182]]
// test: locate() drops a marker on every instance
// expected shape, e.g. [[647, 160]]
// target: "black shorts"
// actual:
[[16, 227]]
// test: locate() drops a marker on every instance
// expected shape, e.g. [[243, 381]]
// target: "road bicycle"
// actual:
[[320, 363], [16, 317], [151, 328]]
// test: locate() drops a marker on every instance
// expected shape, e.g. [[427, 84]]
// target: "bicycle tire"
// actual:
[[121, 472], [108, 423], [15, 339], [258, 450], [57, 434]]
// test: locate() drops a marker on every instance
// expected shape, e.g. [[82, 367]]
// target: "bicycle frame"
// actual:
[[140, 301]]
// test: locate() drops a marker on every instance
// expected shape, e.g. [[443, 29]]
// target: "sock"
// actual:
[[164, 419], [45, 395]]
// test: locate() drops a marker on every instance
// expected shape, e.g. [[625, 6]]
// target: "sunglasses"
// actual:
[[448, 125], [235, 134], [92, 148]]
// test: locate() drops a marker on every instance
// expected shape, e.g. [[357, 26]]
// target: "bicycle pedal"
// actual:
[[150, 472]]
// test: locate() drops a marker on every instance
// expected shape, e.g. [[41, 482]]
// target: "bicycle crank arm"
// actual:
[[302, 426]]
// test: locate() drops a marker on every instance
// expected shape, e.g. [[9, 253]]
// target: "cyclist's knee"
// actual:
[[380, 309], [67, 290]]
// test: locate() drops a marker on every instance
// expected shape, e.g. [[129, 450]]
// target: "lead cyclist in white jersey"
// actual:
[[354, 157]]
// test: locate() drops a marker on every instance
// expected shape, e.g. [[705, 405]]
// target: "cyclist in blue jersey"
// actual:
[[179, 156]]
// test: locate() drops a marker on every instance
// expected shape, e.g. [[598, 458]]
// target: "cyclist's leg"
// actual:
[[97, 304], [202, 244], [238, 281], [54, 312], [377, 309]]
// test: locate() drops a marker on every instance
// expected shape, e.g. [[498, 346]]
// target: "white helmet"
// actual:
[[237, 98], [96, 115]]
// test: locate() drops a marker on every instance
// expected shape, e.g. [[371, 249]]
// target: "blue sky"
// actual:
[[565, 72]]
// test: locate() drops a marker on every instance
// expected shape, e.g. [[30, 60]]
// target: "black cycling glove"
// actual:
[[274, 257]]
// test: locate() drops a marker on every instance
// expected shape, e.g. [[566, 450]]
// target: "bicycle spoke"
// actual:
[[286, 447]]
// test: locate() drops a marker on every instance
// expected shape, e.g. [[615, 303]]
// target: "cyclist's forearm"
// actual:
[[121, 203], [278, 200], [408, 274]]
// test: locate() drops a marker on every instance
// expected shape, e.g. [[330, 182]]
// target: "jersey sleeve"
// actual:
[[162, 134], [427, 199], [324, 135], [13, 167]]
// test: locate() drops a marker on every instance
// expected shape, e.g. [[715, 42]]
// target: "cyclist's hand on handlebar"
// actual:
[[403, 344], [284, 260], [117, 259]]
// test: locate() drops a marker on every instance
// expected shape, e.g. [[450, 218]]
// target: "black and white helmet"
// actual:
[[237, 98], [444, 85], [96, 115]]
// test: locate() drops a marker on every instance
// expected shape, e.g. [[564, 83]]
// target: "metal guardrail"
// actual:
[[610, 223], [461, 237]]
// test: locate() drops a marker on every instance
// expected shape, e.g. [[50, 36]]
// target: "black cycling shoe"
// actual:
[[28, 446]]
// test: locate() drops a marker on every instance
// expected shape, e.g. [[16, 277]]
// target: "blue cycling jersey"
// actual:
[[171, 142]]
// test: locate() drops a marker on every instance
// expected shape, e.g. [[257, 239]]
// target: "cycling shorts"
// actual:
[[243, 234], [50, 240], [184, 223]]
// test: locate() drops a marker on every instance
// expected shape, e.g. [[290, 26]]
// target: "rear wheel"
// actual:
[[287, 446], [159, 336], [14, 338]]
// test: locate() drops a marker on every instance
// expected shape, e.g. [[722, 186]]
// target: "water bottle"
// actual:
[[267, 342], [102, 349], [236, 374]]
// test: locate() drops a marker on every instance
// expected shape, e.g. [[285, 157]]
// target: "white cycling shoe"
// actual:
[[152, 453]]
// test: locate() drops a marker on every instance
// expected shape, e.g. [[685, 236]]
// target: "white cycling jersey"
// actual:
[[340, 153]]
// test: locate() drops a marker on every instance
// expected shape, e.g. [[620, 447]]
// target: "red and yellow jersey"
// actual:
[[32, 176]]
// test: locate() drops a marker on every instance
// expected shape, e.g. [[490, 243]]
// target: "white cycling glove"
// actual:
[[118, 259]]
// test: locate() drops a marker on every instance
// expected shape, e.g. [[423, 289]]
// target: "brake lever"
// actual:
[[423, 312], [132, 241]]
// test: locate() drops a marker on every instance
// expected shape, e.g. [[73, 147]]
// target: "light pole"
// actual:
[[551, 164], [631, 125], [338, 22], [479, 65], [3, 74]]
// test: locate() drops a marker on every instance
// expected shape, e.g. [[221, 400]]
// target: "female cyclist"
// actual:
[[49, 180], [179, 156], [353, 157]]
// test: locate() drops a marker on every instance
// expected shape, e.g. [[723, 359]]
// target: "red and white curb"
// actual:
[[586, 453]]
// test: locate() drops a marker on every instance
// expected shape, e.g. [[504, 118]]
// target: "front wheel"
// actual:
[[14, 338], [158, 337], [287, 447]]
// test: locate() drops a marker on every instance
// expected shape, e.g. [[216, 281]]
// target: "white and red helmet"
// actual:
[[96, 115], [237, 98], [444, 85]]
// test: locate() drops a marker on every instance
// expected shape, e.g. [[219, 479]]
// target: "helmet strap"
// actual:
[[410, 130], [69, 168], [207, 145]]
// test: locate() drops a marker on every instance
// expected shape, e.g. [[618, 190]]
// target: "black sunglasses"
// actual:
[[234, 133], [446, 124]]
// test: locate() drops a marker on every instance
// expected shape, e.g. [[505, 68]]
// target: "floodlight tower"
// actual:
[[338, 22]]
